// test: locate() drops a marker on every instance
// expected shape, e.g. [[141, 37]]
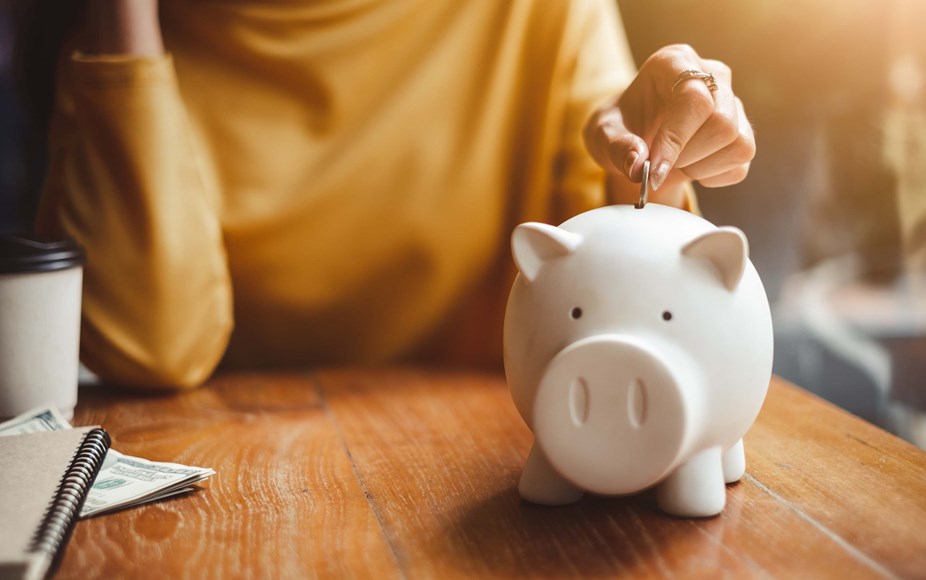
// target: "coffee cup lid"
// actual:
[[21, 253]]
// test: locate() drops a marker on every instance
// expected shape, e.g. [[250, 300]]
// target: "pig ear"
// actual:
[[726, 249], [534, 244]]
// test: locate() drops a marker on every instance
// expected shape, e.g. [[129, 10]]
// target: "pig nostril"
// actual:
[[636, 403], [578, 401]]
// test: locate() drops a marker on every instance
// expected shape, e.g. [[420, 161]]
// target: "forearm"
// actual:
[[123, 27]]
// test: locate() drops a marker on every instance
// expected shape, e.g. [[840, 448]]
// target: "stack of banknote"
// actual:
[[123, 481]]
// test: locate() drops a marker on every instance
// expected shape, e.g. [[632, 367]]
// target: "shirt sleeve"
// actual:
[[601, 66], [126, 181]]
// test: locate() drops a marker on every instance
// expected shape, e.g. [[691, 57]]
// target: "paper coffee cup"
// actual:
[[40, 293]]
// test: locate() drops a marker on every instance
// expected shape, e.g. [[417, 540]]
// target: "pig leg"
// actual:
[[734, 463], [540, 483], [696, 488]]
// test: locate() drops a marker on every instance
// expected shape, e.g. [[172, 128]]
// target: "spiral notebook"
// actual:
[[44, 479]]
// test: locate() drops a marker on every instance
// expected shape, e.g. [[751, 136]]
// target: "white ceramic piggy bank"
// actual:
[[638, 348]]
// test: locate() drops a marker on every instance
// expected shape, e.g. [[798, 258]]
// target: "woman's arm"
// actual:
[[126, 27], [688, 129], [127, 179]]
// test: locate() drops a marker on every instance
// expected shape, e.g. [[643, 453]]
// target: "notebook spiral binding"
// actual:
[[63, 511]]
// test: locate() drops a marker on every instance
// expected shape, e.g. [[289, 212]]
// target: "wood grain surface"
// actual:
[[409, 473]]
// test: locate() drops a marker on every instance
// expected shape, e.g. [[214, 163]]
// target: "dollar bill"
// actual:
[[35, 421], [127, 481], [123, 481]]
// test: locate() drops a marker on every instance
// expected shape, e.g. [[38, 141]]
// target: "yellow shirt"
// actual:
[[327, 182]]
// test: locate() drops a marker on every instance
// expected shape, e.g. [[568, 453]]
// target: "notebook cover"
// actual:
[[37, 502]]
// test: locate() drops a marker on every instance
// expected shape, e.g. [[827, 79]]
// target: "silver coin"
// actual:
[[644, 186]]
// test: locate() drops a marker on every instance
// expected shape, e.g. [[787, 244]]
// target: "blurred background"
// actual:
[[835, 203]]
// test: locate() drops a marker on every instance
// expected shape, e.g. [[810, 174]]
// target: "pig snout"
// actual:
[[610, 415]]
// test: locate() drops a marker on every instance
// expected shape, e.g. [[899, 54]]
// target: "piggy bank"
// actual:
[[638, 349]]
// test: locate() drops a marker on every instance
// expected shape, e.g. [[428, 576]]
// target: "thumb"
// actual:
[[613, 146]]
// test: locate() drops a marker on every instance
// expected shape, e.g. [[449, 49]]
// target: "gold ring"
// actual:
[[689, 74]]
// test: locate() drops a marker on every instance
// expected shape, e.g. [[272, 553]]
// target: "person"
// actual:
[[272, 184]]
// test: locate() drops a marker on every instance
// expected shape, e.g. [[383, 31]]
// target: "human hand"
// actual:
[[685, 129]]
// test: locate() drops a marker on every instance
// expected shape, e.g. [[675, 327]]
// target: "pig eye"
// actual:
[[667, 316], [576, 313]]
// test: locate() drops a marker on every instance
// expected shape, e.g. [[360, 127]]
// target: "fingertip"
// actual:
[[617, 155], [630, 162], [663, 157], [658, 174], [627, 159]]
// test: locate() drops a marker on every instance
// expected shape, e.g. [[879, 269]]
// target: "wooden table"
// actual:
[[412, 473]]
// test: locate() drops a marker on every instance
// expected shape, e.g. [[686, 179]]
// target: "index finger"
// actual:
[[690, 106]]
